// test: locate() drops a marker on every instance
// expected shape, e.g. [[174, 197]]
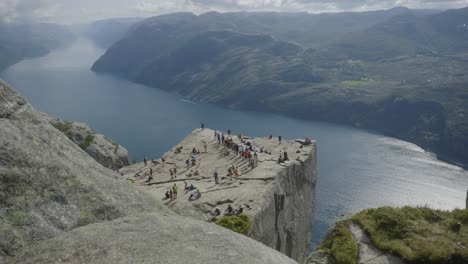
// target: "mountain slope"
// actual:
[[19, 41], [409, 60]]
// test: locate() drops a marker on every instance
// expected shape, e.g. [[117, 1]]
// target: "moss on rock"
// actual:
[[240, 224]]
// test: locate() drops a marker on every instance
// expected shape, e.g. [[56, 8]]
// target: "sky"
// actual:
[[79, 11]]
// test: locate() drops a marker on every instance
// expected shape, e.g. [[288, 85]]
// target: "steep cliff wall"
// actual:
[[285, 221], [278, 197]]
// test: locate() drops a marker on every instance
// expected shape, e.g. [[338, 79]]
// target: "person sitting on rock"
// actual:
[[167, 195], [196, 173], [280, 159], [187, 162], [229, 210], [285, 156], [217, 212], [240, 210], [194, 196], [186, 187], [190, 174]]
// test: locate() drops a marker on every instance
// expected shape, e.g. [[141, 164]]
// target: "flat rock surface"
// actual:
[[250, 188]]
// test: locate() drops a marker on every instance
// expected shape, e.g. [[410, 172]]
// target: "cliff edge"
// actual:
[[58, 205], [277, 197]]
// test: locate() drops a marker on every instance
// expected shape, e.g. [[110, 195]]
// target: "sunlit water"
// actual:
[[356, 169]]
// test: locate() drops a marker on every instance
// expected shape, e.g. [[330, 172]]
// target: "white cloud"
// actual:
[[72, 11]]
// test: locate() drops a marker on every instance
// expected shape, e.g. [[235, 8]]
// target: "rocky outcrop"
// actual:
[[279, 198], [58, 205], [102, 149], [48, 185], [153, 238], [368, 253]]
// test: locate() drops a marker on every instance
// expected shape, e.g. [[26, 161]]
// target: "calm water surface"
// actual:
[[356, 169]]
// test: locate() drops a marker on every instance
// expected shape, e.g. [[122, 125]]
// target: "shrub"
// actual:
[[88, 141], [240, 224], [340, 244], [64, 127]]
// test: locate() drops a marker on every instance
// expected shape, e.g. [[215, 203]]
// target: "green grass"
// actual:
[[418, 235], [62, 126], [240, 224], [88, 141], [362, 81], [340, 245]]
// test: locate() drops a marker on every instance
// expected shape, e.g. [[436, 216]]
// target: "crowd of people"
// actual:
[[241, 148]]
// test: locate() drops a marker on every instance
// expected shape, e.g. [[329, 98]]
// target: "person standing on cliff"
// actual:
[[151, 172], [202, 126], [279, 139], [175, 172], [174, 190], [205, 145], [145, 161], [215, 174]]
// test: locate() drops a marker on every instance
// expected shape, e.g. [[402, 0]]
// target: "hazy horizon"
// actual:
[[76, 12]]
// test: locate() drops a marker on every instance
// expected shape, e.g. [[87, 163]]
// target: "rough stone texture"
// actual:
[[152, 239], [102, 149], [319, 257], [48, 185], [368, 253], [281, 196], [58, 205]]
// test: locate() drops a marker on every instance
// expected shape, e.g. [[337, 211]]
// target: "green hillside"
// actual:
[[399, 72]]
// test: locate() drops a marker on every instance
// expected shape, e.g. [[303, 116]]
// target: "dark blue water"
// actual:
[[356, 169]]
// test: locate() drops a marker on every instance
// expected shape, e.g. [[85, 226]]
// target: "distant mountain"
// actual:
[[405, 34], [363, 69], [19, 41], [106, 32]]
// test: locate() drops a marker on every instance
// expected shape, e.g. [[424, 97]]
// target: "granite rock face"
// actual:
[[58, 205], [48, 185], [102, 149], [278, 197], [152, 238]]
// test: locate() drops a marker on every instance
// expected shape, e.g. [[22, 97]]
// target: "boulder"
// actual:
[[101, 148]]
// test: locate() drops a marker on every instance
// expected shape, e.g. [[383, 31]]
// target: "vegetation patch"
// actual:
[[362, 81], [62, 126], [340, 245], [240, 224], [418, 235], [87, 142]]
